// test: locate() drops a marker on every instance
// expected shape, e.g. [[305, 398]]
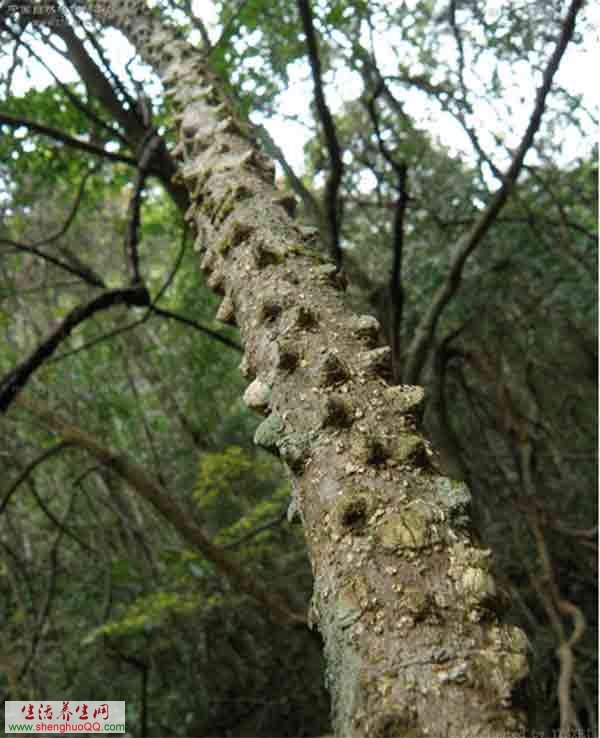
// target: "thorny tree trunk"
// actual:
[[402, 597]]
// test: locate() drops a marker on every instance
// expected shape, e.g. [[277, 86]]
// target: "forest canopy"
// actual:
[[235, 242]]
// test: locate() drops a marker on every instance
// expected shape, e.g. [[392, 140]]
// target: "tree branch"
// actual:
[[50, 592], [73, 99], [76, 267], [198, 326], [310, 202], [148, 149], [91, 37], [195, 21], [168, 508], [419, 347], [396, 289], [62, 526], [12, 382], [80, 272], [259, 529], [96, 81], [64, 138], [333, 148], [27, 471]]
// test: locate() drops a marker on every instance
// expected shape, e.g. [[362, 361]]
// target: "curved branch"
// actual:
[[101, 339], [168, 508], [176, 264], [91, 37], [196, 22], [71, 96], [144, 318], [70, 218], [158, 311], [229, 27], [81, 272], [27, 471], [93, 77], [135, 129], [77, 267], [459, 114], [259, 529], [59, 524], [74, 143], [50, 593], [12, 382], [149, 147], [419, 347]]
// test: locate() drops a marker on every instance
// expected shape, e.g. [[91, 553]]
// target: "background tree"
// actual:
[[495, 377]]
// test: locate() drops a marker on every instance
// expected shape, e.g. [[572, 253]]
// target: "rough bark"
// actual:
[[404, 600]]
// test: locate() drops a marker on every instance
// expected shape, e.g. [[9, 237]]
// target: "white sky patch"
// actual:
[[499, 123], [33, 75], [504, 120], [207, 13]]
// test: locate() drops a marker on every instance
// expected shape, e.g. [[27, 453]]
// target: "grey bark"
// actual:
[[405, 601]]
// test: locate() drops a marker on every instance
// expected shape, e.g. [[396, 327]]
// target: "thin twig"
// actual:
[[148, 149], [64, 138], [259, 529], [198, 326], [15, 380], [396, 289], [24, 475], [336, 164], [425, 331]]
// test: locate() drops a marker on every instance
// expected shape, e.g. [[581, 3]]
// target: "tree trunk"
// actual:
[[405, 602]]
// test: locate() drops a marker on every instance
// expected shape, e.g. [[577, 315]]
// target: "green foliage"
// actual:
[[29, 163], [119, 583], [232, 481], [257, 32], [143, 616]]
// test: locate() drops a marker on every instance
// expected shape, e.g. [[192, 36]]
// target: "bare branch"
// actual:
[[76, 266], [169, 509], [100, 339], [198, 326], [28, 470], [11, 383], [419, 347], [50, 592], [195, 21], [156, 310], [148, 149], [88, 277], [70, 218], [396, 289], [135, 323], [333, 148], [69, 94], [226, 32], [94, 78], [59, 524], [259, 529], [310, 202], [91, 37], [74, 143]]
